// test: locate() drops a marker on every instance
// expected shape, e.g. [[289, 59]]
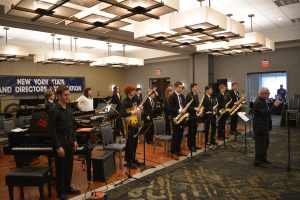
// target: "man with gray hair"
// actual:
[[262, 124]]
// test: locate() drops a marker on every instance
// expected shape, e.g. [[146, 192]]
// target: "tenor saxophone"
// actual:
[[201, 111], [238, 105], [182, 116]]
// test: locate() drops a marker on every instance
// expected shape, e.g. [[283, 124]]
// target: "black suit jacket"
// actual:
[[173, 106], [262, 122], [222, 100], [208, 105], [233, 97], [149, 111], [115, 100], [138, 99], [194, 104]]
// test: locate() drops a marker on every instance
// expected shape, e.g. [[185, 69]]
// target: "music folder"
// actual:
[[244, 116]]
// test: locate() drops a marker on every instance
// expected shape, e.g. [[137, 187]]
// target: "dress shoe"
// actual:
[[73, 191], [181, 154], [61, 197], [175, 157], [138, 163], [193, 149], [267, 162], [261, 165]]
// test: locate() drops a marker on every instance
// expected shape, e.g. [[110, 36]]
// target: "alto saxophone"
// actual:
[[182, 116], [201, 107], [224, 110]]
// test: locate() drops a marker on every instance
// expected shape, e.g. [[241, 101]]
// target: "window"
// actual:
[[272, 81]]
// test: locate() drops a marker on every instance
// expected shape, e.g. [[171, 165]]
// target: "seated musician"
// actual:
[[128, 110], [49, 100], [223, 99], [177, 106], [209, 104], [64, 142], [85, 101], [149, 112]]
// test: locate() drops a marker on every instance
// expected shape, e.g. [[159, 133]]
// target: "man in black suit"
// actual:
[[117, 99], [223, 99], [210, 106], [176, 106], [138, 96], [149, 112], [281, 92], [234, 94], [192, 122], [64, 142], [262, 124]]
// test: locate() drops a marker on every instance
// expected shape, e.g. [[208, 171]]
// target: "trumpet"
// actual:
[[182, 116]]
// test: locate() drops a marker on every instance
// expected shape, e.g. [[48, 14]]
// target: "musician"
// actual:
[[49, 99], [85, 101], [209, 104], [281, 93], [168, 93], [262, 124], [64, 142], [177, 106], [223, 99], [131, 143], [234, 94], [192, 122], [138, 96], [117, 99], [149, 112]]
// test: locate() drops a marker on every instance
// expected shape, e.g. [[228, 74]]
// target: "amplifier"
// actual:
[[103, 165]]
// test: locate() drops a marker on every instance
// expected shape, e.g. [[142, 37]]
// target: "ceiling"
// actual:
[[277, 19]]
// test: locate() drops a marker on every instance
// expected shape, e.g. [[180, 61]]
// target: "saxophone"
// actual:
[[238, 104], [214, 111], [201, 111], [182, 116], [224, 110]]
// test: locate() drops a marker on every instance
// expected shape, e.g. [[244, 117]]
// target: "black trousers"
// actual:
[[192, 124], [150, 132], [176, 138], [221, 125], [210, 123], [118, 126], [131, 144], [168, 125], [64, 168], [233, 122], [261, 147]]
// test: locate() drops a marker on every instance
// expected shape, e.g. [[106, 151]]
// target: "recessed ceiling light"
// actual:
[[279, 19]]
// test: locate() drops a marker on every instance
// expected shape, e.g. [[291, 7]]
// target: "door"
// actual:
[[161, 84]]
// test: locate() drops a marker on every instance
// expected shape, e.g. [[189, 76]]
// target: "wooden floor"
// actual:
[[79, 180]]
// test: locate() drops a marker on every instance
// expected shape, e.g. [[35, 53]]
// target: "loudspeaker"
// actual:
[[103, 166]]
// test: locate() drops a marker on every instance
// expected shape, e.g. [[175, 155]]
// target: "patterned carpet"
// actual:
[[225, 173]]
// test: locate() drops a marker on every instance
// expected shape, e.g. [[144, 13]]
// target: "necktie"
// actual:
[[209, 99], [152, 104], [180, 102]]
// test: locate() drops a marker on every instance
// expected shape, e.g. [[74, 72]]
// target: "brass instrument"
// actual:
[[201, 107], [134, 120], [182, 116], [238, 104], [157, 104], [224, 110]]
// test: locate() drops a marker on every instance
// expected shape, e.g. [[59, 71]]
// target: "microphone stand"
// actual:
[[145, 167]]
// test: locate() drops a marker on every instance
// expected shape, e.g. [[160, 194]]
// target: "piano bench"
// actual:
[[29, 176]]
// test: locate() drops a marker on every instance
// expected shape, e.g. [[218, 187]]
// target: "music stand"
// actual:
[[245, 118]]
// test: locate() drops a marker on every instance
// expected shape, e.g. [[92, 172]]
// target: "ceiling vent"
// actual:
[[280, 3]]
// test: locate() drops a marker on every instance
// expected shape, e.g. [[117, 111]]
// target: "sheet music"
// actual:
[[243, 116]]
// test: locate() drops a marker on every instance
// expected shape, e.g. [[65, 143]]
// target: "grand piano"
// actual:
[[37, 141]]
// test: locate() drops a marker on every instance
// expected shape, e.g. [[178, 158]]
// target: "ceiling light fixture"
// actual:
[[11, 52], [117, 61]]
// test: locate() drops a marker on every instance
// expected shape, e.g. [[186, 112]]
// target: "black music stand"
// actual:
[[245, 118], [145, 167]]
